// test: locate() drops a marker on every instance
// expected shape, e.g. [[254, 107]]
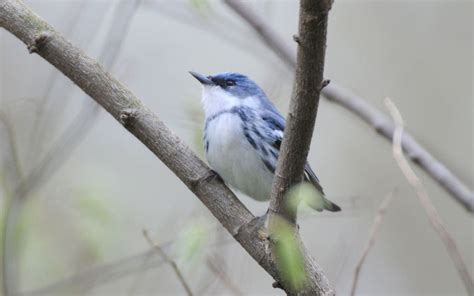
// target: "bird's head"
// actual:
[[227, 90]]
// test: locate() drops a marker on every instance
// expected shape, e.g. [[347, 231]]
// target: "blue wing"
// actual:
[[276, 126], [270, 129]]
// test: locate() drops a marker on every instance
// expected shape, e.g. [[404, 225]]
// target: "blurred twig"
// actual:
[[38, 128], [215, 264], [371, 240], [425, 200], [12, 159], [66, 143], [217, 25], [169, 261], [363, 110], [103, 273]]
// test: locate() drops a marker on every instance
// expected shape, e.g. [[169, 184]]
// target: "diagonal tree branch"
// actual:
[[42, 39], [363, 110]]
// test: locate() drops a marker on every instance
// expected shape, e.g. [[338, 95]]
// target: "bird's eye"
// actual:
[[229, 82]]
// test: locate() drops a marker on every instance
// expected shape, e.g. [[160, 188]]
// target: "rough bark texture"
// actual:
[[42, 39], [364, 111], [313, 17], [304, 103]]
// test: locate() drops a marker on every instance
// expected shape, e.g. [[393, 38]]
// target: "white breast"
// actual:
[[234, 159]]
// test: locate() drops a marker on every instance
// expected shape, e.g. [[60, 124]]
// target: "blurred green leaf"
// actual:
[[196, 116], [94, 207], [305, 194], [93, 228], [201, 5], [289, 259], [192, 241]]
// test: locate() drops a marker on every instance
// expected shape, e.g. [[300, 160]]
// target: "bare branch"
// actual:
[[363, 110], [169, 261], [146, 126], [425, 200], [371, 240], [297, 137], [304, 103]]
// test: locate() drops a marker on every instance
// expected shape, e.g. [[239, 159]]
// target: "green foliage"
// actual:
[[305, 194], [288, 256], [192, 241], [93, 226], [201, 5], [94, 207]]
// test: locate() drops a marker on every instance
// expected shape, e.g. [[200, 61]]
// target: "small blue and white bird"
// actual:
[[242, 136]]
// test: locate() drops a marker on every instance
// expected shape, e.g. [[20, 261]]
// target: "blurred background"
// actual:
[[95, 188]]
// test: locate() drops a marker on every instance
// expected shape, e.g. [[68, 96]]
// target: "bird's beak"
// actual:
[[201, 78]]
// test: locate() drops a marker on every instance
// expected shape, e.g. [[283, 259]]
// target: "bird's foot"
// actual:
[[213, 175]]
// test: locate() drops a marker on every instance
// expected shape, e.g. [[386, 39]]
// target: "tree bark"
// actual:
[[301, 117], [313, 17]]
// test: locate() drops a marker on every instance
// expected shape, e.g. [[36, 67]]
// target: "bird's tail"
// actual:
[[318, 201], [330, 206]]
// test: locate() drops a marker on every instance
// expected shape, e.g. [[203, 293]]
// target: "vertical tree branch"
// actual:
[[304, 102], [313, 17]]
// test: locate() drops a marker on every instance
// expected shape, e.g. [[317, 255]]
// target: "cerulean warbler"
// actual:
[[242, 136]]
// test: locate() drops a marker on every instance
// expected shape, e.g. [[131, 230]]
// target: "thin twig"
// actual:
[[425, 200], [215, 265], [39, 127], [169, 261], [371, 240], [111, 271], [362, 109], [12, 160]]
